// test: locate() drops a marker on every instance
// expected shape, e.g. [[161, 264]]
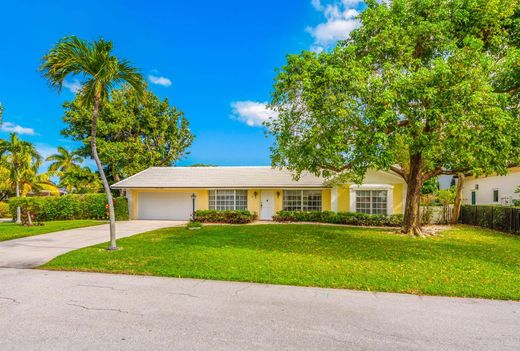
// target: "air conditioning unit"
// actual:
[[506, 201]]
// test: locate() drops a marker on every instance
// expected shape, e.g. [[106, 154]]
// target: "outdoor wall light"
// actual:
[[255, 193], [193, 197], [278, 194]]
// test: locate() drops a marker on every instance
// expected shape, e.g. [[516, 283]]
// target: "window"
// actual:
[[228, 199], [302, 200], [371, 201], [495, 195], [473, 197]]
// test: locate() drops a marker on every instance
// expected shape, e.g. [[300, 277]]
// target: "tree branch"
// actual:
[[511, 91], [402, 123], [399, 171]]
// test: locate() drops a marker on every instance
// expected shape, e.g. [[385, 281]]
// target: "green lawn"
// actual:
[[10, 231], [463, 261]]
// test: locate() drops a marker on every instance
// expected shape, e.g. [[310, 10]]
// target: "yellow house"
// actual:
[[173, 193]]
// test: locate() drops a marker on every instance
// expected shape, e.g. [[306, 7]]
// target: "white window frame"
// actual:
[[389, 195], [301, 197], [234, 199]]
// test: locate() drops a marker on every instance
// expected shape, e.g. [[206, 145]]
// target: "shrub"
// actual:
[[194, 225], [352, 218], [217, 216], [4, 210], [87, 206]]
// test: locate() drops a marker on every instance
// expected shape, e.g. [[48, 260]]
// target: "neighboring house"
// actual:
[[492, 190], [174, 192]]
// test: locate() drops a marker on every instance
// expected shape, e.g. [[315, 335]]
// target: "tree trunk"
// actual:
[[111, 212], [29, 219], [412, 216], [458, 199], [18, 209]]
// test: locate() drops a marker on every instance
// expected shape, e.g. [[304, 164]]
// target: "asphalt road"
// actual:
[[45, 310]]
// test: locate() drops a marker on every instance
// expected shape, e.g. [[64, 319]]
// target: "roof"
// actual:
[[218, 177]]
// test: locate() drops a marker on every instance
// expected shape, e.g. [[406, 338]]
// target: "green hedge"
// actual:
[[351, 218], [232, 217], [4, 210], [86, 206]]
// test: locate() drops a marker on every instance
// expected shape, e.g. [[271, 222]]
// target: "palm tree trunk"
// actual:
[[18, 209], [111, 212]]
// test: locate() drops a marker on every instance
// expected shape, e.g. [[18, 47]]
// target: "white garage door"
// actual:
[[171, 206]]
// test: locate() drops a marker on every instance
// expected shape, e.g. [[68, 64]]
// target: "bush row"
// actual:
[[352, 218], [86, 206], [232, 217], [4, 210]]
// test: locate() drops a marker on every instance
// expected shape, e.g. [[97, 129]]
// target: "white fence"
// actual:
[[436, 214]]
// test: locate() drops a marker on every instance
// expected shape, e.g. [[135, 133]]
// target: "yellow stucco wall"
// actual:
[[253, 202], [344, 198], [398, 198], [278, 200], [325, 200]]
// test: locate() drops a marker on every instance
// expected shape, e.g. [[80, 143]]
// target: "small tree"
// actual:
[[421, 88], [101, 71], [21, 160]]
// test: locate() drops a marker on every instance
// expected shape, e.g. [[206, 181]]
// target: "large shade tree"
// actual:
[[422, 88], [100, 71], [149, 129]]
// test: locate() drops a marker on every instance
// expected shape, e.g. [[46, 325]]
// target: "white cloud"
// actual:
[[340, 21], [9, 127], [252, 113], [74, 86], [165, 82]]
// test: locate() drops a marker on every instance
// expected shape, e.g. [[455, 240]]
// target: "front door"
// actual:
[[266, 204]]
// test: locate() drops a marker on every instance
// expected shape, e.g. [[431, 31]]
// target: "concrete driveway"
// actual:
[[50, 310], [36, 250]]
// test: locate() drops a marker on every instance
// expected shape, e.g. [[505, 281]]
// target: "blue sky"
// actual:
[[215, 60]]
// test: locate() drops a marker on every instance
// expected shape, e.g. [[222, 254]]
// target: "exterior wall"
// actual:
[[338, 198], [325, 200], [253, 202], [506, 186], [398, 198], [278, 200], [344, 198]]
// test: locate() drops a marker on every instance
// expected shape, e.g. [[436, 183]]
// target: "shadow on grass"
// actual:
[[351, 243]]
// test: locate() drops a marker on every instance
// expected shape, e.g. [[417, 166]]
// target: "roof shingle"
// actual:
[[218, 177]]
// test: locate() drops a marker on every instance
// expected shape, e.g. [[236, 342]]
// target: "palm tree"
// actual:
[[64, 161], [21, 159], [81, 180], [101, 71]]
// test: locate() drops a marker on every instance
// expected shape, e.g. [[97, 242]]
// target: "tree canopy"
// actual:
[[422, 87], [134, 132]]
